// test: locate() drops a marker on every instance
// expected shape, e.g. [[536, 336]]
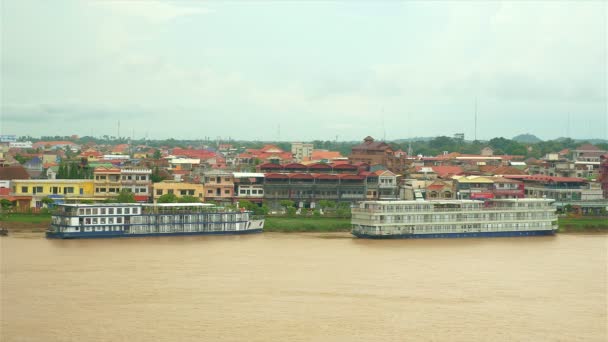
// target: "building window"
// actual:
[[226, 192], [24, 189], [68, 190], [170, 191], [159, 192], [209, 191], [183, 192], [191, 192]]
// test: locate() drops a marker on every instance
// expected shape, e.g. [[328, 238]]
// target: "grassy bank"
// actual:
[[583, 224], [26, 218], [19, 221], [306, 224]]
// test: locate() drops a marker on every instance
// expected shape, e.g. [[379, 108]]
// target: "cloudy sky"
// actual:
[[304, 70]]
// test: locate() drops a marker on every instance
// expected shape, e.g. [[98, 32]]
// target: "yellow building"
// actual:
[[179, 189], [60, 190]]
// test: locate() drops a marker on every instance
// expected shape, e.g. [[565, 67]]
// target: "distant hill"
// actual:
[[527, 138]]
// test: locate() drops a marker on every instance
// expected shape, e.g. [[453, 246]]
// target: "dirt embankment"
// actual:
[[24, 226]]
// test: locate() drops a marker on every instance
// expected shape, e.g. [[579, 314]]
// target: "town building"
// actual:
[[306, 189], [59, 190], [381, 185], [110, 181], [179, 189], [219, 185], [301, 151], [374, 152], [249, 186]]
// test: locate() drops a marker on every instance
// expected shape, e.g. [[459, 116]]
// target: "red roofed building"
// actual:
[[192, 153], [267, 154], [562, 189], [375, 152], [326, 156], [307, 189]]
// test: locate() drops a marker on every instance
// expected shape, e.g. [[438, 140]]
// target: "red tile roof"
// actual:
[[13, 172], [192, 153], [329, 155]]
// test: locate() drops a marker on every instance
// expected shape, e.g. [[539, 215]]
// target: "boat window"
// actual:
[[88, 211], [111, 211], [94, 211], [135, 211], [119, 220], [81, 211], [102, 211], [126, 210], [118, 211]]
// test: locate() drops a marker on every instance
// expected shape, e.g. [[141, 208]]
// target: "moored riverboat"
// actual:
[[71, 221], [453, 218]]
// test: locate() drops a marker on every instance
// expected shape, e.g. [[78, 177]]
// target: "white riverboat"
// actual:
[[71, 221], [453, 218]]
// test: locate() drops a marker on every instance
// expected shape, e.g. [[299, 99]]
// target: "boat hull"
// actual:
[[457, 235], [106, 235]]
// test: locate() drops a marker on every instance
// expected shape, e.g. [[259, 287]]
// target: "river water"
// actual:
[[304, 287]]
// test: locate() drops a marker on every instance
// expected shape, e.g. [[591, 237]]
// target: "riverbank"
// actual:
[[582, 224], [306, 224], [284, 224]]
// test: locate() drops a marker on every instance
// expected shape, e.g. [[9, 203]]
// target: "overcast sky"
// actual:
[[304, 70]]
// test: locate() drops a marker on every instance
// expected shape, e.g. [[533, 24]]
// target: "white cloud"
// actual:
[[149, 10]]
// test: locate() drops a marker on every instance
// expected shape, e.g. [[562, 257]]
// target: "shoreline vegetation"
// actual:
[[24, 222]]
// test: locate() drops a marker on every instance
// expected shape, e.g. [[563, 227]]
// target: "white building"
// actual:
[[20, 144], [301, 151]]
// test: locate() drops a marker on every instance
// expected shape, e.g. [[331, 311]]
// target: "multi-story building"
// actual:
[[138, 181], [301, 151], [179, 189], [249, 186], [508, 188], [381, 185], [473, 187], [110, 181], [60, 190], [106, 181], [374, 152], [562, 189], [219, 186], [306, 189]]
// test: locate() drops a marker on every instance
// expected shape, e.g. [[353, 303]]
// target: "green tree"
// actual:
[[21, 159], [6, 204], [188, 199], [47, 201], [167, 198], [157, 154], [125, 197], [287, 203], [327, 204], [155, 177]]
